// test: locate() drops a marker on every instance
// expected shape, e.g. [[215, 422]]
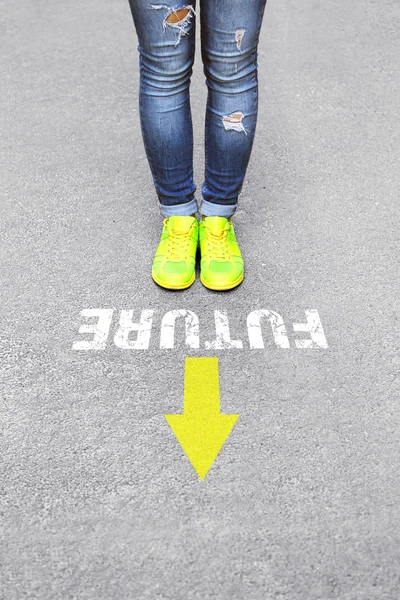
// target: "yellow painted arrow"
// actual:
[[201, 430]]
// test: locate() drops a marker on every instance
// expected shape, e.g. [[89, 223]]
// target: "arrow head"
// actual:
[[202, 437]]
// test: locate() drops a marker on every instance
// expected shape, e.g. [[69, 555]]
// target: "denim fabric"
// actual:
[[229, 40]]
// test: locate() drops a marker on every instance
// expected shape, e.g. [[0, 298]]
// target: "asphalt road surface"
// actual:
[[98, 499]]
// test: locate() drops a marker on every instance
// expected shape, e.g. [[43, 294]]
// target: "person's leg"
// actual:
[[229, 37], [229, 33], [166, 35]]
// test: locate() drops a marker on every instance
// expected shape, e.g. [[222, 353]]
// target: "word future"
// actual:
[[259, 323]]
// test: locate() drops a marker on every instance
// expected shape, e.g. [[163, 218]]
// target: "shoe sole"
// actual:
[[221, 288], [173, 287]]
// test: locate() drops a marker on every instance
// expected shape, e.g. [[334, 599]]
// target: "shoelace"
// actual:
[[179, 243], [217, 244]]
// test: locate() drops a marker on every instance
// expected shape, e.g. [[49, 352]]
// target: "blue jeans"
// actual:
[[229, 40]]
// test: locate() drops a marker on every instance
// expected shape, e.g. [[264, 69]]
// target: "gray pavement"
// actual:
[[98, 500]]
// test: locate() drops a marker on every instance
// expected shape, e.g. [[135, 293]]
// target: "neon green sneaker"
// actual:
[[174, 263], [222, 266]]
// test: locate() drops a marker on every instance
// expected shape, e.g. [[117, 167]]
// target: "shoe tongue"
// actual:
[[180, 224], [216, 224]]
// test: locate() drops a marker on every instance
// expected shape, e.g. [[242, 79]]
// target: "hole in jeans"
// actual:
[[234, 121], [177, 18], [239, 34]]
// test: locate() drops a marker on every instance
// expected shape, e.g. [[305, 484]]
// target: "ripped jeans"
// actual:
[[229, 40]]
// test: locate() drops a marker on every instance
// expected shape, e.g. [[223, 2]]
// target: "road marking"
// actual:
[[167, 335], [201, 430], [143, 328], [260, 323], [222, 333], [100, 329]]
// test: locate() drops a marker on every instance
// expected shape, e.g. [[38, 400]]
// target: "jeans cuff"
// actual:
[[185, 209], [211, 209]]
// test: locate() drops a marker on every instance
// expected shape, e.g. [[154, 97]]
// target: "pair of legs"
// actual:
[[229, 39]]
